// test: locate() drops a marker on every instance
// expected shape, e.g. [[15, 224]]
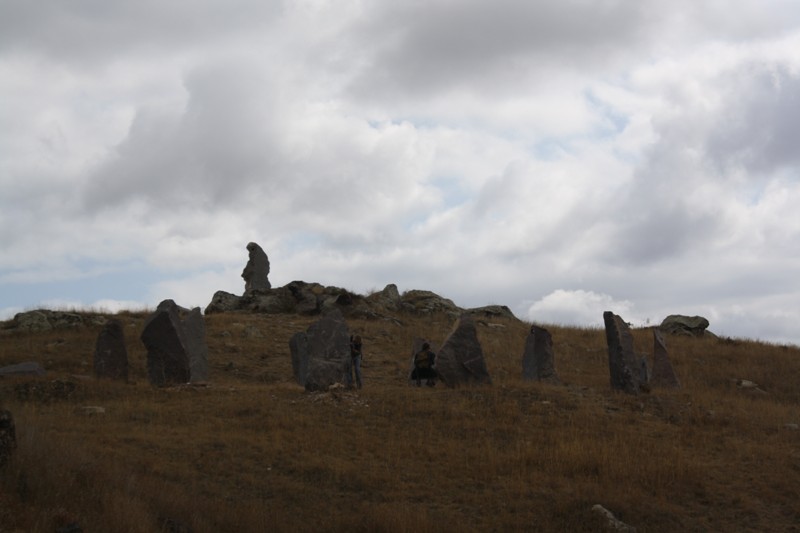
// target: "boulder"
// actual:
[[110, 354], [623, 364], [538, 359], [694, 326], [611, 522], [460, 360], [176, 345], [28, 368], [663, 375], [491, 311], [223, 302], [32, 322], [321, 355], [388, 299], [256, 272], [427, 302]]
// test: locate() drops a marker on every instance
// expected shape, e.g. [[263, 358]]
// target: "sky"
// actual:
[[563, 158]]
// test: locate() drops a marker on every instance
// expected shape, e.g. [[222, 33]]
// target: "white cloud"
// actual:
[[578, 308]]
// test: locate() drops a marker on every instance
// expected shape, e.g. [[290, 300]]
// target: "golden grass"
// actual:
[[254, 452]]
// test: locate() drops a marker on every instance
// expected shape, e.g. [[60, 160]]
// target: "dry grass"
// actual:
[[254, 452]]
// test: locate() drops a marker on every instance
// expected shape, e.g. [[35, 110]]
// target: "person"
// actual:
[[424, 361], [355, 356]]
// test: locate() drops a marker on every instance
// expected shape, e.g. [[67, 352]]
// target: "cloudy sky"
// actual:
[[560, 157]]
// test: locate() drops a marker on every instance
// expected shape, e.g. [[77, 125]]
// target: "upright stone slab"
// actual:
[[176, 347], [301, 354], [623, 365], [110, 354], [256, 272], [460, 360], [194, 335], [320, 357], [538, 359], [663, 375], [8, 437]]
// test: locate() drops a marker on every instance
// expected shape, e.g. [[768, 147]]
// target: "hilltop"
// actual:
[[252, 451]]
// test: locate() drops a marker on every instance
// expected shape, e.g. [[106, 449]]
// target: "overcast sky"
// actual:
[[560, 157]]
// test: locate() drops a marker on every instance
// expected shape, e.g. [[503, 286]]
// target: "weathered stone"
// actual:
[[176, 347], [538, 359], [8, 437], [28, 368], [611, 522], [223, 302], [321, 358], [256, 272], [491, 311], [388, 299], [694, 326], [110, 354], [32, 322], [301, 354], [194, 333], [427, 302], [663, 374], [624, 366], [460, 360]]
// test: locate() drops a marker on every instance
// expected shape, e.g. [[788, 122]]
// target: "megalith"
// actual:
[[623, 365], [321, 355], [538, 359], [460, 360], [8, 437], [110, 354], [176, 345], [256, 272], [663, 375]]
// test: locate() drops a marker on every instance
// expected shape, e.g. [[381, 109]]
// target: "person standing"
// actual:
[[355, 356], [424, 362]]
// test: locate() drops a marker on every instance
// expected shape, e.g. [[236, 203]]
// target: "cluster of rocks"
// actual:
[[175, 338], [41, 320], [630, 372], [300, 297]]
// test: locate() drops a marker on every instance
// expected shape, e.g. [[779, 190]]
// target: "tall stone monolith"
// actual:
[[176, 346], [460, 360], [538, 361], [663, 375], [623, 365], [256, 272], [321, 355], [110, 354]]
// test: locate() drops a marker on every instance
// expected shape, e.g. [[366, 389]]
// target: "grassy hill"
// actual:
[[253, 451]]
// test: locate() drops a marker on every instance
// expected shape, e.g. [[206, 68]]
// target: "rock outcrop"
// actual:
[[45, 320], [460, 360], [694, 326]]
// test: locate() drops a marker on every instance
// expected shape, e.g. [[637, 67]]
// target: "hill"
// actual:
[[252, 451]]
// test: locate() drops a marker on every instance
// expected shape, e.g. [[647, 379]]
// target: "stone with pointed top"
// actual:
[[460, 360], [623, 364]]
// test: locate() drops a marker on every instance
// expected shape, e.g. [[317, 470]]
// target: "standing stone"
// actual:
[[663, 374], [538, 359], [460, 360], [110, 354], [176, 347], [194, 334], [623, 365], [298, 346], [256, 272], [8, 437], [321, 355]]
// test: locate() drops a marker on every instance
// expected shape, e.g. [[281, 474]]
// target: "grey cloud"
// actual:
[[759, 124], [90, 31]]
